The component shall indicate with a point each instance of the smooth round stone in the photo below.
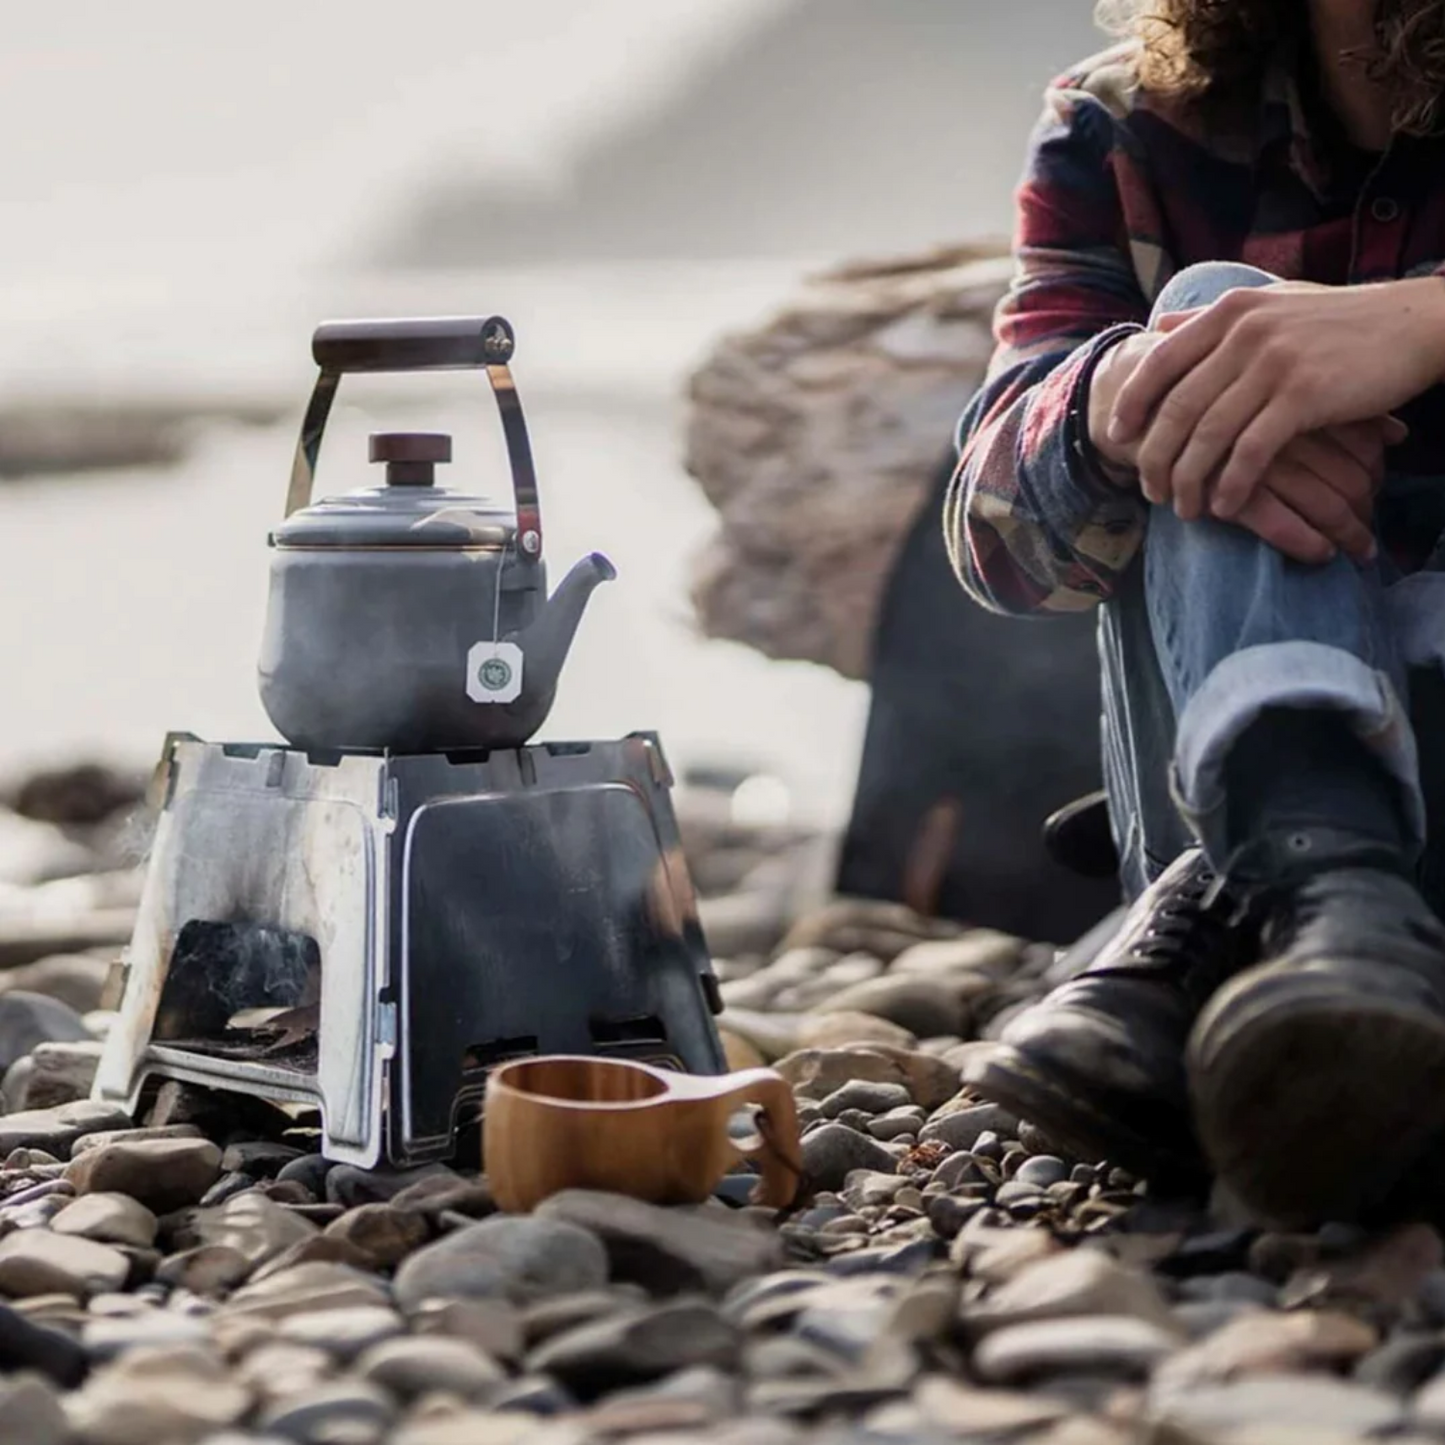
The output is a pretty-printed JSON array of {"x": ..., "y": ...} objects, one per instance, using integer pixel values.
[
  {"x": 109, "y": 1218},
  {"x": 1233, "y": 1285},
  {"x": 310, "y": 1171},
  {"x": 1042, "y": 1170},
  {"x": 163, "y": 1174},
  {"x": 38, "y": 1261},
  {"x": 831, "y": 1152},
  {"x": 897, "y": 1123},
  {"x": 412, "y": 1366},
  {"x": 868, "y": 1097},
  {"x": 348, "y": 1410},
  {"x": 1018, "y": 1192},
  {"x": 1290, "y": 1401},
  {"x": 342, "y": 1333},
  {"x": 966, "y": 1128},
  {"x": 104, "y": 1339},
  {"x": 1097, "y": 1344}
]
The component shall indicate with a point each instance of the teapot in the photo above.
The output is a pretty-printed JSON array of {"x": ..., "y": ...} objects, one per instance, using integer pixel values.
[{"x": 409, "y": 617}]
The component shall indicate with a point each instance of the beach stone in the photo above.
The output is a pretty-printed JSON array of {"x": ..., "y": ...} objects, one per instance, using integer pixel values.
[
  {"x": 489, "y": 1427},
  {"x": 31, "y": 1412},
  {"x": 638, "y": 1346},
  {"x": 132, "y": 1136},
  {"x": 1104, "y": 1344},
  {"x": 1403, "y": 1363},
  {"x": 309, "y": 1171},
  {"x": 343, "y": 1332},
  {"x": 493, "y": 1325},
  {"x": 74, "y": 979},
  {"x": 838, "y": 1028},
  {"x": 534, "y": 1395},
  {"x": 278, "y": 1370},
  {"x": 110, "y": 1218},
  {"x": 921, "y": 1005},
  {"x": 963, "y": 1128},
  {"x": 348, "y": 1185},
  {"x": 106, "y": 1337},
  {"x": 982, "y": 951},
  {"x": 55, "y": 1130},
  {"x": 383, "y": 1234},
  {"x": 158, "y": 1395},
  {"x": 1042, "y": 1171},
  {"x": 206, "y": 1270},
  {"x": 1384, "y": 1274},
  {"x": 316, "y": 1285},
  {"x": 871, "y": 1098},
  {"x": 832, "y": 1151},
  {"x": 817, "y": 1073},
  {"x": 972, "y": 1411},
  {"x": 520, "y": 1259},
  {"x": 349, "y": 1411},
  {"x": 687, "y": 1400},
  {"x": 52, "y": 1074},
  {"x": 412, "y": 1366},
  {"x": 28, "y": 1019},
  {"x": 26, "y": 1345},
  {"x": 255, "y": 1227},
  {"x": 260, "y": 1158},
  {"x": 669, "y": 1250},
  {"x": 1270, "y": 1342},
  {"x": 162, "y": 1174},
  {"x": 1076, "y": 1282},
  {"x": 434, "y": 1196},
  {"x": 1300, "y": 1402},
  {"x": 37, "y": 1261}
]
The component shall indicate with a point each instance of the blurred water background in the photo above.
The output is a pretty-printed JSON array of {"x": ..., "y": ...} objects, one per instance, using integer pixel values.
[{"x": 188, "y": 189}]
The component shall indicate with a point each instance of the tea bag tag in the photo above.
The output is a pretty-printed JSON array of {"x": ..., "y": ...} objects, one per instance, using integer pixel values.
[{"x": 494, "y": 672}]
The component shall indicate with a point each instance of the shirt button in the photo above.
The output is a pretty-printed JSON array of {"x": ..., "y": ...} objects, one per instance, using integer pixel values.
[{"x": 1385, "y": 209}]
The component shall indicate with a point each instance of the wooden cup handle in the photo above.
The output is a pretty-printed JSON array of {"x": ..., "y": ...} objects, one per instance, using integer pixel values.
[{"x": 780, "y": 1153}]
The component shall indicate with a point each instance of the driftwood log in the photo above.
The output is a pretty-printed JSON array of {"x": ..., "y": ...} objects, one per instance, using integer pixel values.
[{"x": 816, "y": 435}]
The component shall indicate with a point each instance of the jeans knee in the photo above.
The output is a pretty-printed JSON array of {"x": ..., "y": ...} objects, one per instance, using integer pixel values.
[{"x": 1205, "y": 282}]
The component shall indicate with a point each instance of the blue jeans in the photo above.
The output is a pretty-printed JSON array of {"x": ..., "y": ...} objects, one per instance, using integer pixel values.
[{"x": 1211, "y": 626}]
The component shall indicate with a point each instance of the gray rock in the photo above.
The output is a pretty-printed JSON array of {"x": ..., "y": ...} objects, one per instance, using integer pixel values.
[
  {"x": 1042, "y": 1170},
  {"x": 1097, "y": 1344},
  {"x": 349, "y": 1411},
  {"x": 1076, "y": 1282},
  {"x": 384, "y": 1234},
  {"x": 110, "y": 1218},
  {"x": 639, "y": 1346},
  {"x": 1018, "y": 1192},
  {"x": 133, "y": 1136},
  {"x": 1297, "y": 1402},
  {"x": 534, "y": 1395},
  {"x": 670, "y": 1250},
  {"x": 25, "y": 1345},
  {"x": 520, "y": 1259},
  {"x": 310, "y": 1171},
  {"x": 107, "y": 1337},
  {"x": 548, "y": 1317},
  {"x": 921, "y": 1005},
  {"x": 1402, "y": 1364},
  {"x": 164, "y": 1174},
  {"x": 260, "y": 1158},
  {"x": 256, "y": 1227},
  {"x": 31, "y": 1412},
  {"x": 871, "y": 1098},
  {"x": 493, "y": 1325},
  {"x": 51, "y": 1074},
  {"x": 832, "y": 1151},
  {"x": 70, "y": 978},
  {"x": 205, "y": 1270},
  {"x": 279, "y": 1370},
  {"x": 55, "y": 1130},
  {"x": 412, "y": 1366},
  {"x": 687, "y": 1400},
  {"x": 349, "y": 1186},
  {"x": 963, "y": 1128},
  {"x": 897, "y": 1123},
  {"x": 179, "y": 1393},
  {"x": 316, "y": 1285},
  {"x": 345, "y": 1332},
  {"x": 36, "y": 1261},
  {"x": 27, "y": 1019}
]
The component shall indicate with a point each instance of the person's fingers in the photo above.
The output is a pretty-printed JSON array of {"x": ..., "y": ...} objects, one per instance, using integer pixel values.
[
  {"x": 1234, "y": 404},
  {"x": 1395, "y": 430},
  {"x": 1321, "y": 506},
  {"x": 1272, "y": 521},
  {"x": 1167, "y": 364},
  {"x": 1353, "y": 471},
  {"x": 1258, "y": 445}
]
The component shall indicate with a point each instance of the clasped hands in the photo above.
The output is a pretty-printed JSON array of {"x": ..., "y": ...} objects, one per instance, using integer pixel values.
[{"x": 1271, "y": 408}]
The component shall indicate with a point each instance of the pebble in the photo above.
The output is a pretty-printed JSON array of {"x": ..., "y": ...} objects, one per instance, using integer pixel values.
[
  {"x": 637, "y": 1346},
  {"x": 520, "y": 1259},
  {"x": 163, "y": 1174},
  {"x": 255, "y": 1227},
  {"x": 897, "y": 1123},
  {"x": 1078, "y": 1282},
  {"x": 412, "y": 1366},
  {"x": 31, "y": 1412},
  {"x": 1270, "y": 1342},
  {"x": 669, "y": 1250},
  {"x": 309, "y": 1171},
  {"x": 52, "y": 1074},
  {"x": 28, "y": 1019},
  {"x": 1297, "y": 1402},
  {"x": 966, "y": 1127},
  {"x": 1109, "y": 1344},
  {"x": 348, "y": 1412},
  {"x": 493, "y": 1325},
  {"x": 56, "y": 1129},
  {"x": 149, "y": 1396},
  {"x": 349, "y": 1186},
  {"x": 383, "y": 1234},
  {"x": 869, "y": 1097},
  {"x": 832, "y": 1151},
  {"x": 312, "y": 1286},
  {"x": 110, "y": 1218},
  {"x": 38, "y": 1261},
  {"x": 1042, "y": 1170},
  {"x": 343, "y": 1332}
]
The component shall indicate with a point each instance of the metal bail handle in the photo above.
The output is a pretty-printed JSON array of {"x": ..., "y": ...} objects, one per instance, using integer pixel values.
[{"x": 430, "y": 343}]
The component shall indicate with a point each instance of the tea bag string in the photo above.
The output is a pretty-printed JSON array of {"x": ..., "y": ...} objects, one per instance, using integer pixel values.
[{"x": 497, "y": 592}]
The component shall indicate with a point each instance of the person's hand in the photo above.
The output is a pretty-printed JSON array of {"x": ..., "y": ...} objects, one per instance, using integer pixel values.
[{"x": 1227, "y": 388}]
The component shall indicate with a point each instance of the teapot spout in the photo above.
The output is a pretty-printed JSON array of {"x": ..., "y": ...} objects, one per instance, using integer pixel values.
[{"x": 547, "y": 640}]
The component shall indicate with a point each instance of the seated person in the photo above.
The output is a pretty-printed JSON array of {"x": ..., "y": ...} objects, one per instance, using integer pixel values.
[{"x": 1214, "y": 413}]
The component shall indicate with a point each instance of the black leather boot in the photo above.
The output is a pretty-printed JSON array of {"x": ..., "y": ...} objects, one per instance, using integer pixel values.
[
  {"x": 1098, "y": 1065},
  {"x": 1318, "y": 1077}
]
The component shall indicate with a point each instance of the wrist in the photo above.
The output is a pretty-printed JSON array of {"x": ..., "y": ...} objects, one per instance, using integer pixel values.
[
  {"x": 1113, "y": 462},
  {"x": 1428, "y": 309}
]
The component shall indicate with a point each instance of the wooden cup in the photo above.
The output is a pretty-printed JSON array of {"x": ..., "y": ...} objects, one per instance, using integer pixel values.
[{"x": 575, "y": 1122}]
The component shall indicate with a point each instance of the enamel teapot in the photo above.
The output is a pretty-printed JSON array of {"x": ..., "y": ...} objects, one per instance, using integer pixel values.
[{"x": 406, "y": 616}]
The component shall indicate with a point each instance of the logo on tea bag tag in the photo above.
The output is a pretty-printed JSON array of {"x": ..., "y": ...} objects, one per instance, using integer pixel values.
[{"x": 494, "y": 672}]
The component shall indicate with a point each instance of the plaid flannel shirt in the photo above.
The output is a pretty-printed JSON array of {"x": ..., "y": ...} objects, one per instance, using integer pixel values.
[{"x": 1121, "y": 190}]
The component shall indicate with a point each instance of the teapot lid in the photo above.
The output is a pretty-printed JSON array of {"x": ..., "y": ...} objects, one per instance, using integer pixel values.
[{"x": 408, "y": 510}]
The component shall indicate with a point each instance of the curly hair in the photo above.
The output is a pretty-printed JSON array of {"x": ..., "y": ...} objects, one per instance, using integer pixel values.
[{"x": 1201, "y": 48}]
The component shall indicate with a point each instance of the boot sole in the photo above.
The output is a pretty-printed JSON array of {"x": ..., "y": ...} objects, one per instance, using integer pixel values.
[
  {"x": 1314, "y": 1107},
  {"x": 1009, "y": 1078}
]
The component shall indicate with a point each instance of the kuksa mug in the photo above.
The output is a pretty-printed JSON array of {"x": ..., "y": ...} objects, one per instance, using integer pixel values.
[{"x": 576, "y": 1122}]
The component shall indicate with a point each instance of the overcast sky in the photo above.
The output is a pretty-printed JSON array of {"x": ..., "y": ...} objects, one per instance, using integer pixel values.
[{"x": 152, "y": 134}]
